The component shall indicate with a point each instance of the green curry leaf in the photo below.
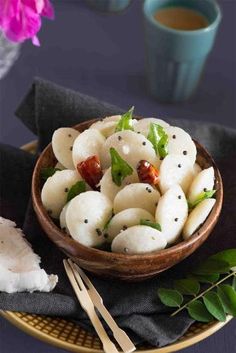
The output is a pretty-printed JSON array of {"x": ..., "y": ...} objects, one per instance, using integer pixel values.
[
  {"x": 227, "y": 295},
  {"x": 76, "y": 189},
  {"x": 48, "y": 172},
  {"x": 187, "y": 286},
  {"x": 214, "y": 305},
  {"x": 159, "y": 139},
  {"x": 119, "y": 167},
  {"x": 198, "y": 311},
  {"x": 202, "y": 196},
  {"x": 126, "y": 122},
  {"x": 228, "y": 255},
  {"x": 170, "y": 297},
  {"x": 146, "y": 222}
]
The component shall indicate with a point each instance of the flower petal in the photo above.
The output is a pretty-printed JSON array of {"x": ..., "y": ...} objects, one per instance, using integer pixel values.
[
  {"x": 40, "y": 5},
  {"x": 20, "y": 19},
  {"x": 8, "y": 10},
  {"x": 23, "y": 26},
  {"x": 36, "y": 41},
  {"x": 48, "y": 10}
]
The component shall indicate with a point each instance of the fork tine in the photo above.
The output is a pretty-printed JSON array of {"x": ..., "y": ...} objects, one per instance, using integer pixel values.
[
  {"x": 76, "y": 275},
  {"x": 84, "y": 277},
  {"x": 71, "y": 277}
]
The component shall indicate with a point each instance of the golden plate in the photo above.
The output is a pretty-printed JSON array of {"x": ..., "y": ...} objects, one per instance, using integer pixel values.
[{"x": 70, "y": 336}]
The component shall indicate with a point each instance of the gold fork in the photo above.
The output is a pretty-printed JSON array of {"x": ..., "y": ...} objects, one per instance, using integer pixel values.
[
  {"x": 87, "y": 304},
  {"x": 121, "y": 337}
]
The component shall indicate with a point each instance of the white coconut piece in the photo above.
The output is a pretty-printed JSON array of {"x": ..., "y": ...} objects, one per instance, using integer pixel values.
[
  {"x": 131, "y": 147},
  {"x": 62, "y": 144},
  {"x": 36, "y": 280},
  {"x": 197, "y": 217},
  {"x": 175, "y": 169},
  {"x": 138, "y": 195},
  {"x": 126, "y": 219},
  {"x": 138, "y": 240},
  {"x": 62, "y": 218},
  {"x": 110, "y": 189},
  {"x": 202, "y": 182},
  {"x": 172, "y": 212},
  {"x": 196, "y": 169},
  {"x": 87, "y": 144},
  {"x": 86, "y": 216},
  {"x": 55, "y": 189},
  {"x": 19, "y": 265},
  {"x": 14, "y": 248},
  {"x": 143, "y": 125},
  {"x": 107, "y": 125},
  {"x": 180, "y": 142}
]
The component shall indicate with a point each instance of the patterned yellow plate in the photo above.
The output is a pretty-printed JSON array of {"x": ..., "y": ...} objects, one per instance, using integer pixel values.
[{"x": 70, "y": 336}]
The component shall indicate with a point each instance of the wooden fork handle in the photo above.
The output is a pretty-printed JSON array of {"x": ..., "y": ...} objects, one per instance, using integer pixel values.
[{"x": 108, "y": 346}]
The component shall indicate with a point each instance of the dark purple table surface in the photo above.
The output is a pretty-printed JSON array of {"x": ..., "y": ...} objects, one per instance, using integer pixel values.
[{"x": 103, "y": 55}]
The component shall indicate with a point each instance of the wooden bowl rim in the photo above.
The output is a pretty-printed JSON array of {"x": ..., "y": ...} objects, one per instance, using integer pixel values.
[{"x": 102, "y": 254}]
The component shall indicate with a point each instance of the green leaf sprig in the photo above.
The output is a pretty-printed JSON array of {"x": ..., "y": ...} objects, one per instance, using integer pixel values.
[
  {"x": 170, "y": 297},
  {"x": 146, "y": 222},
  {"x": 159, "y": 139},
  {"x": 202, "y": 196},
  {"x": 126, "y": 121},
  {"x": 76, "y": 189},
  {"x": 119, "y": 167},
  {"x": 48, "y": 172},
  {"x": 213, "y": 302}
]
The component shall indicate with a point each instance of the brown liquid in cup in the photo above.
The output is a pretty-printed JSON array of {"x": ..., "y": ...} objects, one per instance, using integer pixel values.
[{"x": 181, "y": 18}]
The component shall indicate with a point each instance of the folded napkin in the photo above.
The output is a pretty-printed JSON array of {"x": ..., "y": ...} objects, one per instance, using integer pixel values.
[{"x": 135, "y": 306}]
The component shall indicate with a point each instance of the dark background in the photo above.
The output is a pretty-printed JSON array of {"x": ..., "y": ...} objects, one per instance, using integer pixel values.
[{"x": 103, "y": 55}]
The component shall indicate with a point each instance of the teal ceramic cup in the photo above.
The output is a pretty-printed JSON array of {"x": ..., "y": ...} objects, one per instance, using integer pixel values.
[
  {"x": 109, "y": 5},
  {"x": 176, "y": 58}
]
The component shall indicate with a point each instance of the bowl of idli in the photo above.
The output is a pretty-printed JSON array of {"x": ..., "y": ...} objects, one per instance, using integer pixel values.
[{"x": 126, "y": 197}]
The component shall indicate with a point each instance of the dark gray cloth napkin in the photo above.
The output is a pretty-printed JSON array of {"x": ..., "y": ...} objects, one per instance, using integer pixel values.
[{"x": 135, "y": 306}]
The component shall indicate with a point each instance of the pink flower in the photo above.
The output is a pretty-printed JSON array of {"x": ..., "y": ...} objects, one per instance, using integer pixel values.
[{"x": 21, "y": 19}]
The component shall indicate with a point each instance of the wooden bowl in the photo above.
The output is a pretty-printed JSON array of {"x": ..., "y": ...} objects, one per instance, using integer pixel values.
[{"x": 122, "y": 266}]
